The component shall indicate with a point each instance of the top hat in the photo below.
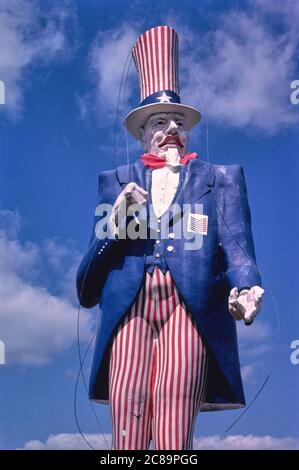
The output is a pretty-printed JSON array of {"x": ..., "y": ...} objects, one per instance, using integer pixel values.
[{"x": 155, "y": 54}]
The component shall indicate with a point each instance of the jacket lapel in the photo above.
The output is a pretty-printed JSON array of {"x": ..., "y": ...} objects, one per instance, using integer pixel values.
[
  {"x": 141, "y": 176},
  {"x": 135, "y": 172},
  {"x": 199, "y": 180}
]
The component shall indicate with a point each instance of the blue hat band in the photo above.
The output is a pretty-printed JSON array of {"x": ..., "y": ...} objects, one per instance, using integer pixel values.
[{"x": 164, "y": 96}]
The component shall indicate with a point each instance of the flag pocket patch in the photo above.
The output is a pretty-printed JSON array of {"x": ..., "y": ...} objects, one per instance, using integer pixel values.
[{"x": 197, "y": 223}]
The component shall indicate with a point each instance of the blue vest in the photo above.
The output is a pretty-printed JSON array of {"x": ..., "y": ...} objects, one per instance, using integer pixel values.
[{"x": 155, "y": 248}]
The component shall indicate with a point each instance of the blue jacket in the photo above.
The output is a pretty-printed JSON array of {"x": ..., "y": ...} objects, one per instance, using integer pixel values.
[{"x": 112, "y": 271}]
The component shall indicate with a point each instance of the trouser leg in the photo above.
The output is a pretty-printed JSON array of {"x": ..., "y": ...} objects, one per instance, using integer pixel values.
[
  {"x": 130, "y": 381},
  {"x": 179, "y": 385}
]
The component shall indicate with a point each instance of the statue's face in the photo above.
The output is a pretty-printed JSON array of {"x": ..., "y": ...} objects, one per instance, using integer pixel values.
[{"x": 163, "y": 131}]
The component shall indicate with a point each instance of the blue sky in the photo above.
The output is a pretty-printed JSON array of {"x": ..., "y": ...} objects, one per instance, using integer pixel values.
[{"x": 61, "y": 63}]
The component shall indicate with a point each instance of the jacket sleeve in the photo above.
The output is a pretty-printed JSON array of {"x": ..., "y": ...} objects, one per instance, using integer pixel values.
[
  {"x": 96, "y": 263},
  {"x": 235, "y": 233}
]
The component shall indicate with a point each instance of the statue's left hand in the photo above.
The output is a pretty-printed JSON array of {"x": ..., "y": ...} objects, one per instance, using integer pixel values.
[{"x": 245, "y": 305}]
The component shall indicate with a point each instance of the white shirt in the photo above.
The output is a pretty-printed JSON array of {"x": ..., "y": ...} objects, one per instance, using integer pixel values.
[{"x": 165, "y": 182}]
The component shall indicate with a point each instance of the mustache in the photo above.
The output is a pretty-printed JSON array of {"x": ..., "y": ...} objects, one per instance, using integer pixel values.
[{"x": 172, "y": 138}]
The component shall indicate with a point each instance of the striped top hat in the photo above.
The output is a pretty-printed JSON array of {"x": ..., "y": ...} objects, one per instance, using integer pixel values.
[{"x": 156, "y": 58}]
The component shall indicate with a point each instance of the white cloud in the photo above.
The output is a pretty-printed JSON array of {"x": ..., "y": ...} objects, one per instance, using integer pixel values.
[
  {"x": 243, "y": 70},
  {"x": 36, "y": 323},
  {"x": 287, "y": 10},
  {"x": 248, "y": 442},
  {"x": 10, "y": 223},
  {"x": 30, "y": 33},
  {"x": 248, "y": 373},
  {"x": 259, "y": 331},
  {"x": 256, "y": 339},
  {"x": 106, "y": 62},
  {"x": 254, "y": 342},
  {"x": 71, "y": 442},
  {"x": 238, "y": 72},
  {"x": 256, "y": 350},
  {"x": 214, "y": 442},
  {"x": 63, "y": 260}
]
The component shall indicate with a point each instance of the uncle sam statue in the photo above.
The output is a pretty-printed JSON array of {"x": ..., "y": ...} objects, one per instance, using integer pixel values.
[{"x": 172, "y": 265}]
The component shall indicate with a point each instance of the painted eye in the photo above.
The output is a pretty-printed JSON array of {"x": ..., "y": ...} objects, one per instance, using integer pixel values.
[
  {"x": 160, "y": 122},
  {"x": 180, "y": 124}
]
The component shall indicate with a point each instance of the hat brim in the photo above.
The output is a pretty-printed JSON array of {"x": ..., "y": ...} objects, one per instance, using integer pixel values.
[{"x": 138, "y": 117}]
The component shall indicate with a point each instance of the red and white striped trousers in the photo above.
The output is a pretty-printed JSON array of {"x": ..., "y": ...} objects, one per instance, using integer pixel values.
[{"x": 158, "y": 367}]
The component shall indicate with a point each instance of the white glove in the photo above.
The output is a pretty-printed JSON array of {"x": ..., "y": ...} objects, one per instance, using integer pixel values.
[
  {"x": 131, "y": 194},
  {"x": 245, "y": 305}
]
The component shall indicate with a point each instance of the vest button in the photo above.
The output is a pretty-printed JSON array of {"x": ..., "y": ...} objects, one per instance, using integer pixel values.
[
  {"x": 171, "y": 235},
  {"x": 157, "y": 255},
  {"x": 170, "y": 248},
  {"x": 157, "y": 241}
]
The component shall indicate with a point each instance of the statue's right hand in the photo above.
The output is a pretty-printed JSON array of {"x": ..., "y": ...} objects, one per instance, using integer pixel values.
[
  {"x": 131, "y": 194},
  {"x": 134, "y": 194}
]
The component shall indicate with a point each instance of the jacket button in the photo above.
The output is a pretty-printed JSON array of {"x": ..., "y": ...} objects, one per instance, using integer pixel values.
[
  {"x": 157, "y": 255},
  {"x": 157, "y": 241},
  {"x": 171, "y": 235},
  {"x": 170, "y": 248}
]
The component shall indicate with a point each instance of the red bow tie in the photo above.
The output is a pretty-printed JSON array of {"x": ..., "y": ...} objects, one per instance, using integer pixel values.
[{"x": 154, "y": 162}]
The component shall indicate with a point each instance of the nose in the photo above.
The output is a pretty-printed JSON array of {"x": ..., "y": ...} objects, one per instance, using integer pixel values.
[{"x": 172, "y": 128}]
